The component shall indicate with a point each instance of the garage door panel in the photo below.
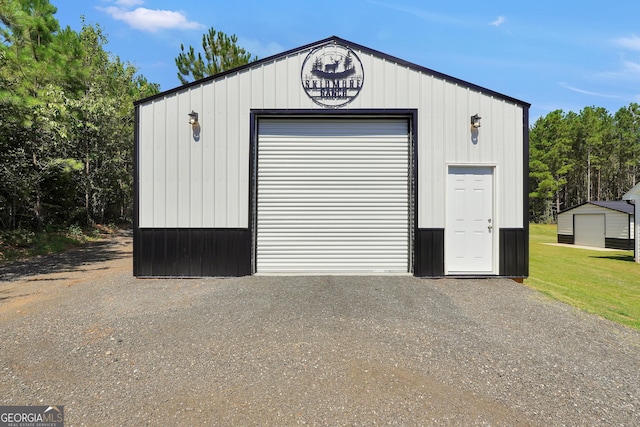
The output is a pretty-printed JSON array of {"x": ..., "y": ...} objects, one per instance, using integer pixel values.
[
  {"x": 589, "y": 230},
  {"x": 332, "y": 196}
]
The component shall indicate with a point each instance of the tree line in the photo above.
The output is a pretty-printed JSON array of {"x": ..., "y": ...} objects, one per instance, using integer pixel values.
[
  {"x": 592, "y": 155},
  {"x": 67, "y": 117},
  {"x": 66, "y": 121}
]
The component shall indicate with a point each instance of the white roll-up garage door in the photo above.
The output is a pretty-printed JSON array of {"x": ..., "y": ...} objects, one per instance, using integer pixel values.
[
  {"x": 332, "y": 196},
  {"x": 589, "y": 230}
]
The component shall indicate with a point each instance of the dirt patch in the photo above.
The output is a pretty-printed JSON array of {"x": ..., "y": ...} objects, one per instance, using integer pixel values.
[{"x": 26, "y": 284}]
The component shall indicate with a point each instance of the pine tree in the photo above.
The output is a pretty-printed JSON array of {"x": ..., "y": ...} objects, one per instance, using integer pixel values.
[{"x": 221, "y": 53}]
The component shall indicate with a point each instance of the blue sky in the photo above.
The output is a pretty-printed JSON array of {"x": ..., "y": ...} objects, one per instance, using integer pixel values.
[{"x": 552, "y": 54}]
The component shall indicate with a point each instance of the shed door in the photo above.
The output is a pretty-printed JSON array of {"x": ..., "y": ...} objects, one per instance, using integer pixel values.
[
  {"x": 469, "y": 235},
  {"x": 589, "y": 230},
  {"x": 332, "y": 196}
]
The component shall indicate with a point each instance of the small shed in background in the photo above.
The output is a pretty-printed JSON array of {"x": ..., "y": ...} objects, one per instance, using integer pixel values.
[
  {"x": 608, "y": 224},
  {"x": 633, "y": 197}
]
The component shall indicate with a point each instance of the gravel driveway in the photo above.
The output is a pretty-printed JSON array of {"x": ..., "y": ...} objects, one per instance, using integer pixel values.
[{"x": 78, "y": 330}]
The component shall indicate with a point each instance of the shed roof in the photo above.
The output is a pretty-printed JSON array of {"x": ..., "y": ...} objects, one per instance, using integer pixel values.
[
  {"x": 616, "y": 205},
  {"x": 352, "y": 45}
]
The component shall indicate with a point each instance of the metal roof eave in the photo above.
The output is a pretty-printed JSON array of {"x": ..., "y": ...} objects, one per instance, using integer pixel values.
[{"x": 600, "y": 205}]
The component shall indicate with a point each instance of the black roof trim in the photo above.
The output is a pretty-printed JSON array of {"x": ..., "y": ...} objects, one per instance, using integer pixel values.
[
  {"x": 615, "y": 205},
  {"x": 352, "y": 45}
]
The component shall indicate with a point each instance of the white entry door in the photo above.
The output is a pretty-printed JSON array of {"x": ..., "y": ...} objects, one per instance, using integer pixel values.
[{"x": 469, "y": 236}]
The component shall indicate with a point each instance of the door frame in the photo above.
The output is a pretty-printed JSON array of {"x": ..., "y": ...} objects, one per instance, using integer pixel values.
[
  {"x": 410, "y": 114},
  {"x": 495, "y": 240}
]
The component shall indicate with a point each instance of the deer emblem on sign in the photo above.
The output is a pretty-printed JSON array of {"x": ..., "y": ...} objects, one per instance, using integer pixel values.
[
  {"x": 332, "y": 66},
  {"x": 332, "y": 75}
]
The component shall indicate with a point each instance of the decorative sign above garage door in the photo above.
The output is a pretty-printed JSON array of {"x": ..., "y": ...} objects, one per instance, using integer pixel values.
[{"x": 332, "y": 75}]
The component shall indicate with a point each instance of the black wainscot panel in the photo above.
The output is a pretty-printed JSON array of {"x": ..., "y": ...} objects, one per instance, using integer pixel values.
[{"x": 192, "y": 252}]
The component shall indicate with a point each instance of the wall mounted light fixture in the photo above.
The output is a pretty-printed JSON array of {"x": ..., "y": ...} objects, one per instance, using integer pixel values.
[
  {"x": 475, "y": 121},
  {"x": 193, "y": 118},
  {"x": 195, "y": 126}
]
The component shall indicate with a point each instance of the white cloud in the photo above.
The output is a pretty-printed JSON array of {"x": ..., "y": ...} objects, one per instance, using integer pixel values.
[
  {"x": 420, "y": 13},
  {"x": 499, "y": 21},
  {"x": 632, "y": 67},
  {"x": 627, "y": 71},
  {"x": 586, "y": 92},
  {"x": 151, "y": 20},
  {"x": 129, "y": 3},
  {"x": 631, "y": 42},
  {"x": 260, "y": 49}
]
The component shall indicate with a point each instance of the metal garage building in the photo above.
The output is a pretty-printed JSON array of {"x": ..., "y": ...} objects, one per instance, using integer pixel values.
[
  {"x": 331, "y": 158},
  {"x": 633, "y": 197},
  {"x": 607, "y": 224}
]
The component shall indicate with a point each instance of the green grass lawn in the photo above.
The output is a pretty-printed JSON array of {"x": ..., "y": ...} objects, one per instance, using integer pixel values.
[
  {"x": 20, "y": 244},
  {"x": 602, "y": 283}
]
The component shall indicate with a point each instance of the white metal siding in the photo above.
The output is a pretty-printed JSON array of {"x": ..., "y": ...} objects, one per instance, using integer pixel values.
[
  {"x": 333, "y": 196},
  {"x": 174, "y": 194},
  {"x": 565, "y": 224},
  {"x": 636, "y": 228},
  {"x": 617, "y": 225}
]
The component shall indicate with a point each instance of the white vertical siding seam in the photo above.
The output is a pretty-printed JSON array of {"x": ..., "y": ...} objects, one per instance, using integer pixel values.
[
  {"x": 185, "y": 217},
  {"x": 637, "y": 230},
  {"x": 207, "y": 121},
  {"x": 224, "y": 146},
  {"x": 227, "y": 125},
  {"x": 232, "y": 201},
  {"x": 181, "y": 172},
  {"x": 472, "y": 152},
  {"x": 158, "y": 215},
  {"x": 152, "y": 165},
  {"x": 173, "y": 180}
]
